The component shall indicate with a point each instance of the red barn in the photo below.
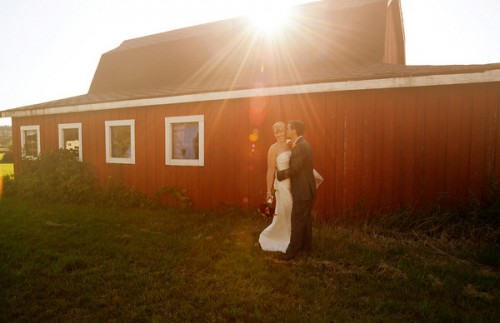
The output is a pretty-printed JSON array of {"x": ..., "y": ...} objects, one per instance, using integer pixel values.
[{"x": 193, "y": 108}]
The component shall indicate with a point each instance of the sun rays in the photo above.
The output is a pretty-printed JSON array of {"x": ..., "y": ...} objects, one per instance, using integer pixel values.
[
  {"x": 270, "y": 20},
  {"x": 258, "y": 52}
]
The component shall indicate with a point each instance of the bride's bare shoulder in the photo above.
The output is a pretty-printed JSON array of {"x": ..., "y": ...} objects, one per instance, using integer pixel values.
[
  {"x": 273, "y": 149},
  {"x": 277, "y": 148},
  {"x": 281, "y": 148}
]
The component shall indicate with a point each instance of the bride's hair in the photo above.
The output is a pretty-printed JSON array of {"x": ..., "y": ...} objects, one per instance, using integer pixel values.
[{"x": 279, "y": 124}]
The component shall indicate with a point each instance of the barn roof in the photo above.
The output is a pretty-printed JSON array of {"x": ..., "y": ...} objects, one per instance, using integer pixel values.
[
  {"x": 333, "y": 45},
  {"x": 334, "y": 35}
]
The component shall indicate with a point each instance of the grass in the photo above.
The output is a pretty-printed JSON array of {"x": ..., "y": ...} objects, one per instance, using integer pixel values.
[{"x": 82, "y": 263}]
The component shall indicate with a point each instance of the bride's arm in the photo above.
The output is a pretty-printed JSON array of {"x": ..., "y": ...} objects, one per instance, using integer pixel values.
[{"x": 271, "y": 168}]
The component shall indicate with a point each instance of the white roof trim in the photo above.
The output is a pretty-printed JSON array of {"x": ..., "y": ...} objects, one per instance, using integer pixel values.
[{"x": 397, "y": 82}]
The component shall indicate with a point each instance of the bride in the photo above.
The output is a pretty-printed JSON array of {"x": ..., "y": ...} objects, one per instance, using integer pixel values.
[{"x": 276, "y": 236}]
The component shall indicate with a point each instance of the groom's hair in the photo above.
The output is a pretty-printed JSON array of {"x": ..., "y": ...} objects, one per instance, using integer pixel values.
[{"x": 298, "y": 126}]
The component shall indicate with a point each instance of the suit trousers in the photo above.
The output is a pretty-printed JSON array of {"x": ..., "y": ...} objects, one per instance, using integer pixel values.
[{"x": 301, "y": 236}]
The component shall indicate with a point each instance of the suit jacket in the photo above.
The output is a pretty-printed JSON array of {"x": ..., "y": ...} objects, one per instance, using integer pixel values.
[{"x": 303, "y": 185}]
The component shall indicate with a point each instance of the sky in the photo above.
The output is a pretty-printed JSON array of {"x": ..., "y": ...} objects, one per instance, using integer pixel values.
[{"x": 50, "y": 48}]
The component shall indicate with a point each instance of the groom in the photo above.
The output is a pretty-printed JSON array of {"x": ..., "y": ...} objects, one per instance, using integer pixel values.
[{"x": 303, "y": 189}]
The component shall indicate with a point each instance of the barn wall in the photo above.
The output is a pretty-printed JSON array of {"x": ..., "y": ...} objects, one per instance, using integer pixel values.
[{"x": 377, "y": 149}]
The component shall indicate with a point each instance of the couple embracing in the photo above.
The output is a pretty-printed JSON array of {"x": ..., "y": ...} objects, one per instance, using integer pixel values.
[{"x": 290, "y": 169}]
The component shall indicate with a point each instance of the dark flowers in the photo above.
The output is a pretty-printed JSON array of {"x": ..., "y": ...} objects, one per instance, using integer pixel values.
[{"x": 267, "y": 209}]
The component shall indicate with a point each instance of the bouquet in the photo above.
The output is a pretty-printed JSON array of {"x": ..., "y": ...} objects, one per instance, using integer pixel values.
[{"x": 267, "y": 209}]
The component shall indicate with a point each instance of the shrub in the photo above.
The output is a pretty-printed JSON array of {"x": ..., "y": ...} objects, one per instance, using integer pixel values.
[
  {"x": 116, "y": 194},
  {"x": 56, "y": 176},
  {"x": 173, "y": 196}
]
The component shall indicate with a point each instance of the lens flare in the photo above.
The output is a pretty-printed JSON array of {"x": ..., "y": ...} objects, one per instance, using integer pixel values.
[
  {"x": 254, "y": 136},
  {"x": 270, "y": 20}
]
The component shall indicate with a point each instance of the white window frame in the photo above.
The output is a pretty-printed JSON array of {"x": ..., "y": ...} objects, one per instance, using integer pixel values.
[
  {"x": 62, "y": 127},
  {"x": 27, "y": 128},
  {"x": 116, "y": 160},
  {"x": 201, "y": 141}
]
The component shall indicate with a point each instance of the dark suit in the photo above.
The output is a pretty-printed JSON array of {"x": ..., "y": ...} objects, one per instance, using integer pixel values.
[{"x": 303, "y": 189}]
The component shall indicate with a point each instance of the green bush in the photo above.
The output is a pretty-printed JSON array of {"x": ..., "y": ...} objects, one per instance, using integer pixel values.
[
  {"x": 173, "y": 196},
  {"x": 116, "y": 194},
  {"x": 56, "y": 176}
]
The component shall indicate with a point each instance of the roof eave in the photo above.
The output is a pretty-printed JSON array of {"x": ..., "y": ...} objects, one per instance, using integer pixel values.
[{"x": 337, "y": 86}]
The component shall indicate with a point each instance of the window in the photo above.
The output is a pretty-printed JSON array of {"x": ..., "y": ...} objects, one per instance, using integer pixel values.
[
  {"x": 70, "y": 138},
  {"x": 120, "y": 142},
  {"x": 184, "y": 138},
  {"x": 30, "y": 141}
]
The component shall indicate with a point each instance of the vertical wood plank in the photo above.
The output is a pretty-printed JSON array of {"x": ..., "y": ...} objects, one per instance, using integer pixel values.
[
  {"x": 441, "y": 141},
  {"x": 350, "y": 153},
  {"x": 420, "y": 147},
  {"x": 408, "y": 105},
  {"x": 491, "y": 119},
  {"x": 478, "y": 135},
  {"x": 496, "y": 105},
  {"x": 357, "y": 166},
  {"x": 456, "y": 145},
  {"x": 388, "y": 149},
  {"x": 331, "y": 161},
  {"x": 341, "y": 103},
  {"x": 369, "y": 152},
  {"x": 151, "y": 149},
  {"x": 430, "y": 147},
  {"x": 380, "y": 158},
  {"x": 320, "y": 147}
]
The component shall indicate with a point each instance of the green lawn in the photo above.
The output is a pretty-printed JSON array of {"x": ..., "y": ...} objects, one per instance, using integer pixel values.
[{"x": 80, "y": 263}]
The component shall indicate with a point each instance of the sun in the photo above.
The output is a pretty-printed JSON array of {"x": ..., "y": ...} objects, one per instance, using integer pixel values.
[{"x": 270, "y": 19}]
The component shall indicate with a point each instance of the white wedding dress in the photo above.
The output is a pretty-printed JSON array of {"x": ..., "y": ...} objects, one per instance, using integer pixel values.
[{"x": 276, "y": 236}]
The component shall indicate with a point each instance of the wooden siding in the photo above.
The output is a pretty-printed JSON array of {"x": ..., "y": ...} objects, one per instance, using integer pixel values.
[{"x": 377, "y": 149}]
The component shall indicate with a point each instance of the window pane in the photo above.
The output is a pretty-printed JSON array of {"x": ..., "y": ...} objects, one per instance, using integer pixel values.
[
  {"x": 31, "y": 143},
  {"x": 185, "y": 140},
  {"x": 120, "y": 142},
  {"x": 71, "y": 140}
]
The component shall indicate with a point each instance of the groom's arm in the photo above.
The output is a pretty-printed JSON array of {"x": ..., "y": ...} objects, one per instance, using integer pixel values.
[
  {"x": 295, "y": 164},
  {"x": 298, "y": 161},
  {"x": 283, "y": 174}
]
